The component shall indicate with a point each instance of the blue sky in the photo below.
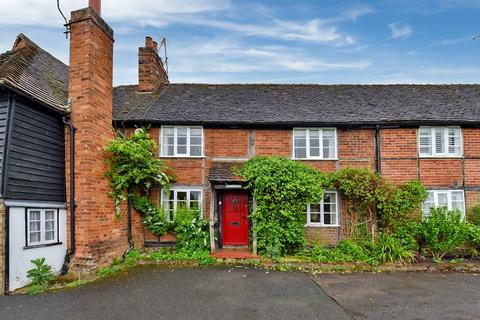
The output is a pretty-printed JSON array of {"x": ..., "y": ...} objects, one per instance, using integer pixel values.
[{"x": 229, "y": 41}]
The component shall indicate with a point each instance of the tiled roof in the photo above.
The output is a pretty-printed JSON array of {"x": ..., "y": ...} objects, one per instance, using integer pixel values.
[
  {"x": 296, "y": 105},
  {"x": 225, "y": 171},
  {"x": 35, "y": 73}
]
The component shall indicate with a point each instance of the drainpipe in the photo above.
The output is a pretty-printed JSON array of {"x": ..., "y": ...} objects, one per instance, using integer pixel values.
[
  {"x": 378, "y": 156},
  {"x": 71, "y": 251},
  {"x": 129, "y": 220}
]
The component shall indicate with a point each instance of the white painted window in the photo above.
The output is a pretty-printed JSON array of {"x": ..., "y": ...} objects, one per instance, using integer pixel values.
[
  {"x": 324, "y": 213},
  {"x": 181, "y": 141},
  {"x": 452, "y": 199},
  {"x": 315, "y": 143},
  {"x": 175, "y": 198},
  {"x": 440, "y": 142},
  {"x": 41, "y": 226}
]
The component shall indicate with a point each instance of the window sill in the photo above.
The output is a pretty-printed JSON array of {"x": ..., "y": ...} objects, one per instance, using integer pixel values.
[
  {"x": 316, "y": 159},
  {"x": 42, "y": 245},
  {"x": 182, "y": 157},
  {"x": 440, "y": 157},
  {"x": 322, "y": 225}
]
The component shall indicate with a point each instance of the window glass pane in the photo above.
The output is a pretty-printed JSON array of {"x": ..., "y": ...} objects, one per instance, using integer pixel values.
[
  {"x": 315, "y": 208},
  {"x": 34, "y": 226},
  {"x": 182, "y": 141},
  {"x": 454, "y": 145},
  {"x": 442, "y": 199},
  {"x": 439, "y": 140},
  {"x": 300, "y": 133},
  {"x": 49, "y": 235},
  {"x": 197, "y": 141},
  {"x": 327, "y": 219},
  {"x": 35, "y": 215},
  {"x": 195, "y": 151},
  {"x": 195, "y": 195},
  {"x": 425, "y": 141},
  {"x": 457, "y": 201},
  {"x": 328, "y": 143},
  {"x": 49, "y": 215},
  {"x": 315, "y": 217},
  {"x": 168, "y": 141},
  {"x": 34, "y": 237},
  {"x": 197, "y": 132},
  {"x": 428, "y": 204},
  {"x": 300, "y": 153}
]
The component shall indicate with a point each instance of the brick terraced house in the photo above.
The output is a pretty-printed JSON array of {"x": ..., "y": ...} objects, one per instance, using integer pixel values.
[{"x": 425, "y": 132}]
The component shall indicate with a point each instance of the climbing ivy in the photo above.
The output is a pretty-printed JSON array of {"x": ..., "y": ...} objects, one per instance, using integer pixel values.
[
  {"x": 133, "y": 165},
  {"x": 282, "y": 188}
]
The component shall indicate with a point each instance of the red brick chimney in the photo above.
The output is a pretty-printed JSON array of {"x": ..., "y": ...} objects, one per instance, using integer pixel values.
[
  {"x": 99, "y": 237},
  {"x": 151, "y": 71}
]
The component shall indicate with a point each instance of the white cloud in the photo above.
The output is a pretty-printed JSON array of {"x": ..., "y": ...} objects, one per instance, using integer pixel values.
[
  {"x": 44, "y": 12},
  {"x": 400, "y": 30}
]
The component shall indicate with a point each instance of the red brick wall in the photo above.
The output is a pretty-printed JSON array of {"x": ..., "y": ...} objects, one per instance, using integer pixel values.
[
  {"x": 99, "y": 236},
  {"x": 151, "y": 72},
  {"x": 356, "y": 148}
]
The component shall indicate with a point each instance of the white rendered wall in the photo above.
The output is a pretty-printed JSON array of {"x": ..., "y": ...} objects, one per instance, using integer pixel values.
[{"x": 19, "y": 256}]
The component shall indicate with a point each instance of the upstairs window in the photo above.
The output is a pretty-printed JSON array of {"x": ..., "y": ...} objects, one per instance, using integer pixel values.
[
  {"x": 440, "y": 142},
  {"x": 177, "y": 198},
  {"x": 452, "y": 199},
  {"x": 324, "y": 213},
  {"x": 179, "y": 141},
  {"x": 315, "y": 143},
  {"x": 42, "y": 226}
]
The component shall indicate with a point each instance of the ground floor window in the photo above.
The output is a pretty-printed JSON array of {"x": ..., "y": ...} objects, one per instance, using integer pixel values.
[
  {"x": 42, "y": 226},
  {"x": 452, "y": 199},
  {"x": 324, "y": 213},
  {"x": 176, "y": 197}
]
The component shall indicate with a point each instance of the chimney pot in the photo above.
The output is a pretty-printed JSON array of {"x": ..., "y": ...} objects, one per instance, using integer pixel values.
[
  {"x": 155, "y": 45},
  {"x": 148, "y": 42},
  {"x": 96, "y": 5}
]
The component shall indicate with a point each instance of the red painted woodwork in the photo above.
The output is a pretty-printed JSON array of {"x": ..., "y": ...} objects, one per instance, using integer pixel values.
[{"x": 234, "y": 218}]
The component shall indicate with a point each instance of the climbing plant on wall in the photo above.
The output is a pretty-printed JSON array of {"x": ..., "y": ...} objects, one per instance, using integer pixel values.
[
  {"x": 133, "y": 165},
  {"x": 282, "y": 188}
]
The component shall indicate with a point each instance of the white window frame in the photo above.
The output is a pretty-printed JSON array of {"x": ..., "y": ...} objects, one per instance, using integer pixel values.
[
  {"x": 175, "y": 145},
  {"x": 322, "y": 213},
  {"x": 164, "y": 198},
  {"x": 434, "y": 153},
  {"x": 448, "y": 193},
  {"x": 43, "y": 230},
  {"x": 307, "y": 144}
]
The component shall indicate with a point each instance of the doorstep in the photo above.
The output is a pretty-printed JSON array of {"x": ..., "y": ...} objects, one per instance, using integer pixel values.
[{"x": 235, "y": 254}]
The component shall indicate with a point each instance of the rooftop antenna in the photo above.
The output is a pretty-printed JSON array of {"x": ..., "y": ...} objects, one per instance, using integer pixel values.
[
  {"x": 66, "y": 25},
  {"x": 163, "y": 44}
]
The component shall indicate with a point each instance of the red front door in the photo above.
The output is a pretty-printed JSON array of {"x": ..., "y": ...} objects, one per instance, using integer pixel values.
[{"x": 234, "y": 217}]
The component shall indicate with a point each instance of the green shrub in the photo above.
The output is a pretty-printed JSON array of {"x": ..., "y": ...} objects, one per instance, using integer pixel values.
[
  {"x": 475, "y": 215},
  {"x": 391, "y": 249},
  {"x": 408, "y": 233},
  {"x": 42, "y": 274},
  {"x": 192, "y": 231},
  {"x": 444, "y": 231},
  {"x": 474, "y": 234},
  {"x": 133, "y": 163},
  {"x": 155, "y": 219},
  {"x": 349, "y": 251},
  {"x": 282, "y": 189}
]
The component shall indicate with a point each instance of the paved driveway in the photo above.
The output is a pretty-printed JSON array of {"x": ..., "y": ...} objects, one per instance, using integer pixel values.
[
  {"x": 159, "y": 293},
  {"x": 249, "y": 293},
  {"x": 403, "y": 295}
]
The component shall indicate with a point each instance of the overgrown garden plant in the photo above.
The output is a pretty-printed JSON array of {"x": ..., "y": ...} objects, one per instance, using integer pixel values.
[
  {"x": 282, "y": 188},
  {"x": 133, "y": 165}
]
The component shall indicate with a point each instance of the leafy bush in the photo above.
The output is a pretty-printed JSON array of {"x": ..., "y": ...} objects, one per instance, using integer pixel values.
[
  {"x": 203, "y": 257},
  {"x": 392, "y": 249},
  {"x": 41, "y": 274},
  {"x": 155, "y": 218},
  {"x": 349, "y": 251},
  {"x": 475, "y": 214},
  {"x": 133, "y": 163},
  {"x": 443, "y": 231},
  {"x": 375, "y": 198},
  {"x": 282, "y": 188},
  {"x": 192, "y": 231},
  {"x": 408, "y": 233}
]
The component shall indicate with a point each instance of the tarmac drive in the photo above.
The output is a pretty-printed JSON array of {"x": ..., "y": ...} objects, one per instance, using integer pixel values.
[{"x": 250, "y": 293}]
